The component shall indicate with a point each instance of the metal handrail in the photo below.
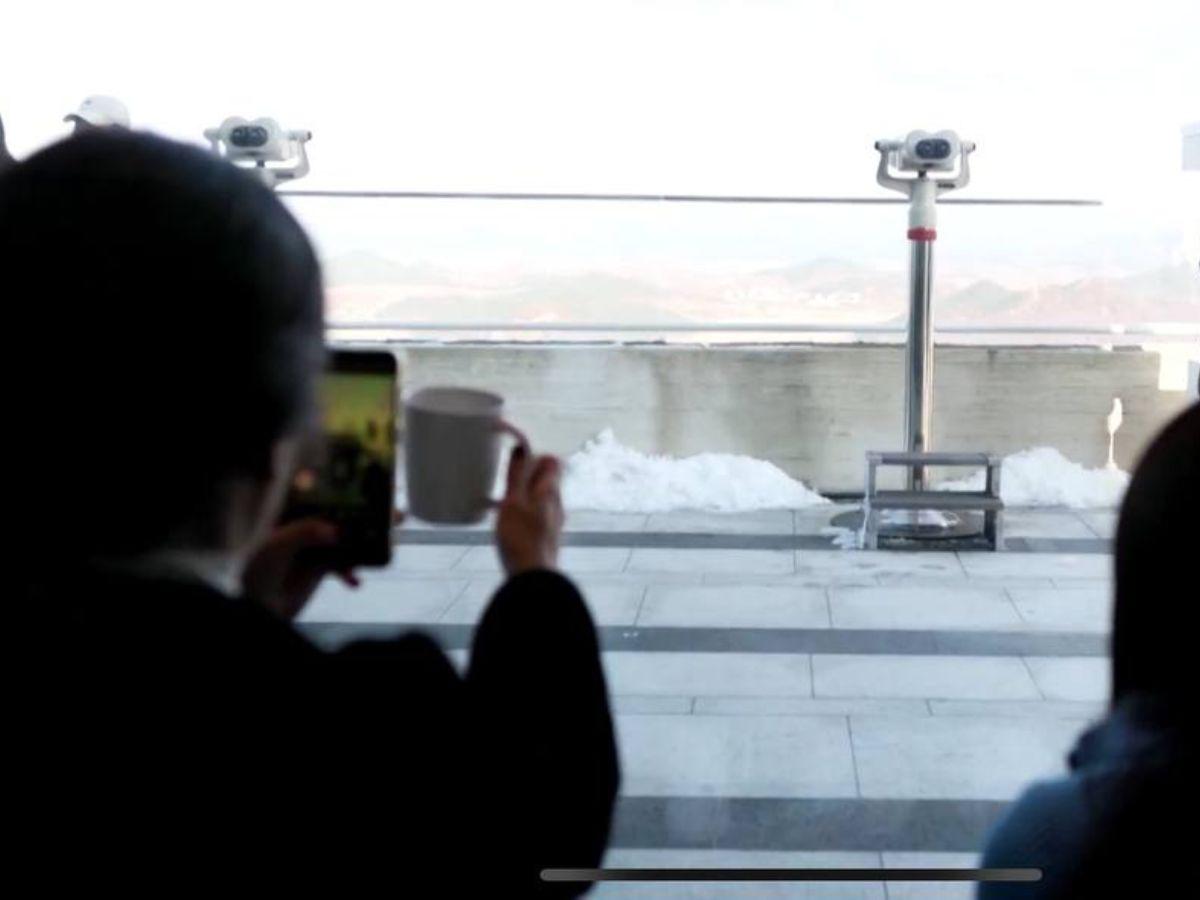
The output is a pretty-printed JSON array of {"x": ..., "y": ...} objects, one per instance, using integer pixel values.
[
  {"x": 1161, "y": 330},
  {"x": 673, "y": 198}
]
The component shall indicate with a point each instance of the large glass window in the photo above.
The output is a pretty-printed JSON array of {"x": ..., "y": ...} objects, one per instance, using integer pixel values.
[
  {"x": 1064, "y": 100},
  {"x": 715, "y": 373}
]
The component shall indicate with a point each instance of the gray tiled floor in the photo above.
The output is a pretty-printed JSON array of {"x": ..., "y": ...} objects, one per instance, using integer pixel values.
[
  {"x": 1102, "y": 582},
  {"x": 1065, "y": 709},
  {"x": 958, "y": 757},
  {"x": 872, "y": 563},
  {"x": 738, "y": 562},
  {"x": 816, "y": 518},
  {"x": 1024, "y": 565},
  {"x": 853, "y": 722},
  {"x": 942, "y": 677},
  {"x": 804, "y": 579},
  {"x": 643, "y": 705},
  {"x": 924, "y": 890},
  {"x": 434, "y": 558},
  {"x": 1068, "y": 678},
  {"x": 957, "y": 607},
  {"x": 385, "y": 600},
  {"x": 1067, "y": 609},
  {"x": 733, "y": 606},
  {"x": 1046, "y": 523},
  {"x": 610, "y": 604},
  {"x": 590, "y": 520},
  {"x": 588, "y": 580},
  {"x": 745, "y": 756},
  {"x": 710, "y": 674},
  {"x": 1102, "y": 521},
  {"x": 741, "y": 859},
  {"x": 572, "y": 559},
  {"x": 767, "y": 521},
  {"x": 809, "y": 706},
  {"x": 962, "y": 580}
]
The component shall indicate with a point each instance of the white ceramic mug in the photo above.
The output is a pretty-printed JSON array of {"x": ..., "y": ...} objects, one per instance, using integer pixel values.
[{"x": 452, "y": 452}]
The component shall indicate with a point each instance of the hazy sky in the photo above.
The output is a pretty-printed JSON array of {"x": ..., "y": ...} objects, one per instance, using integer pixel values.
[{"x": 1063, "y": 98}]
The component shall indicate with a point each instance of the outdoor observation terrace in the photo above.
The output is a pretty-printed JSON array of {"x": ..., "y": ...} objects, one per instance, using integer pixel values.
[
  {"x": 781, "y": 701},
  {"x": 666, "y": 231}
]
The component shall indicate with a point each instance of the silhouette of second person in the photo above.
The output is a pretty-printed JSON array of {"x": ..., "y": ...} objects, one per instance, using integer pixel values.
[{"x": 1118, "y": 824}]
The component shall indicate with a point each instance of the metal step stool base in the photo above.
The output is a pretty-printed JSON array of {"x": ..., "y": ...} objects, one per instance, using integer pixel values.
[{"x": 955, "y": 504}]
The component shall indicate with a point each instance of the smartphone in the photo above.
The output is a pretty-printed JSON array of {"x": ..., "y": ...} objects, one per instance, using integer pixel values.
[{"x": 348, "y": 476}]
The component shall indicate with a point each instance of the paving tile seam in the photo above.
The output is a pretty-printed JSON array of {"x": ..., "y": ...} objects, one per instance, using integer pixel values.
[
  {"x": 696, "y": 540},
  {"x": 823, "y": 641},
  {"x": 804, "y": 824}
]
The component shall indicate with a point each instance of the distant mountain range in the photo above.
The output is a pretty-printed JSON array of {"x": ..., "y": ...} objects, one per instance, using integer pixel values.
[
  {"x": 1169, "y": 294},
  {"x": 367, "y": 287}
]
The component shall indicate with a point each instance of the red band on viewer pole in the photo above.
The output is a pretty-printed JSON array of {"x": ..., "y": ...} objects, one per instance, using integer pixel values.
[{"x": 922, "y": 234}]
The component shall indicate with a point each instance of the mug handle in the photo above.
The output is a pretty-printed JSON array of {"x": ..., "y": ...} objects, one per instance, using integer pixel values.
[
  {"x": 506, "y": 427},
  {"x": 502, "y": 425}
]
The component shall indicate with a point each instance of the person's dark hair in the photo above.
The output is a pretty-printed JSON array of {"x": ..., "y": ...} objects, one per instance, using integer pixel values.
[
  {"x": 1158, "y": 542},
  {"x": 6, "y": 159},
  {"x": 169, "y": 310}
]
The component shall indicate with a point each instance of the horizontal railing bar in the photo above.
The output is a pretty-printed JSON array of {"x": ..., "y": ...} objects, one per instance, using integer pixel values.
[
  {"x": 1181, "y": 329},
  {"x": 599, "y": 326},
  {"x": 676, "y": 198},
  {"x": 1165, "y": 330}
]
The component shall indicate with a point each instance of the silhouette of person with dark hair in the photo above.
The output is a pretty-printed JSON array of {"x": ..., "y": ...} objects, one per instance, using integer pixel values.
[
  {"x": 1117, "y": 824},
  {"x": 183, "y": 728}
]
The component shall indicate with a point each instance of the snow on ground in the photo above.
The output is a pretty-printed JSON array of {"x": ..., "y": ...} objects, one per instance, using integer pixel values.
[
  {"x": 844, "y": 538},
  {"x": 1042, "y": 476},
  {"x": 606, "y": 475}
]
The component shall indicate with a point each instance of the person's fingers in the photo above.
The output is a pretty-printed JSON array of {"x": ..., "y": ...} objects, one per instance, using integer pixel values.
[
  {"x": 518, "y": 469},
  {"x": 398, "y": 516},
  {"x": 348, "y": 578},
  {"x": 546, "y": 494},
  {"x": 545, "y": 476}
]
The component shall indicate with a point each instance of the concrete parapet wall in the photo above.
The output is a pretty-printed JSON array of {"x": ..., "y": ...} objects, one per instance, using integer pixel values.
[{"x": 812, "y": 409}]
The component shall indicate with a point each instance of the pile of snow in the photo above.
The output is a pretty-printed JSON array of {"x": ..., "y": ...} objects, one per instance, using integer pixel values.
[
  {"x": 605, "y": 475},
  {"x": 844, "y": 538},
  {"x": 1042, "y": 476}
]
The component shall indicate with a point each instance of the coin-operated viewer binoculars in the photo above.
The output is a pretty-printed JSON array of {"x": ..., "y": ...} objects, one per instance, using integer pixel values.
[
  {"x": 274, "y": 154},
  {"x": 924, "y": 166}
]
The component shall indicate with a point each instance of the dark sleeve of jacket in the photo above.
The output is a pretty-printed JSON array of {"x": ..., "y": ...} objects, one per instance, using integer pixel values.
[
  {"x": 534, "y": 754},
  {"x": 1043, "y": 829}
]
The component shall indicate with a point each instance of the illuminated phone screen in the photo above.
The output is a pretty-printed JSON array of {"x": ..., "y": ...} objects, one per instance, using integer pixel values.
[{"x": 352, "y": 481}]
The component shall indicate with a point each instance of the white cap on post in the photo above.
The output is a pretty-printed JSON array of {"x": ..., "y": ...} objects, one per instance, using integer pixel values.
[{"x": 100, "y": 111}]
